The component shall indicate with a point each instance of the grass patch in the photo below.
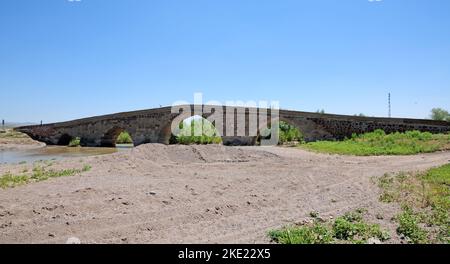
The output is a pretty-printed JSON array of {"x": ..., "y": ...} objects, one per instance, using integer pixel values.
[
  {"x": 75, "y": 142},
  {"x": 39, "y": 173},
  {"x": 425, "y": 200},
  {"x": 10, "y": 133},
  {"x": 380, "y": 143},
  {"x": 314, "y": 234},
  {"x": 86, "y": 168},
  {"x": 349, "y": 228}
]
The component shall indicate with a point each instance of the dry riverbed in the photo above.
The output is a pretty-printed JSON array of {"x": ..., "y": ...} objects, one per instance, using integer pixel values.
[{"x": 196, "y": 194}]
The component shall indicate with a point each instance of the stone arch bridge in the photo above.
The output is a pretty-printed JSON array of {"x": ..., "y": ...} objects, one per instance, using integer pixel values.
[{"x": 154, "y": 125}]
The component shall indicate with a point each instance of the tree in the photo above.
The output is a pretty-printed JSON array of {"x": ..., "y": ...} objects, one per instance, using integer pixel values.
[
  {"x": 440, "y": 114},
  {"x": 320, "y": 111}
]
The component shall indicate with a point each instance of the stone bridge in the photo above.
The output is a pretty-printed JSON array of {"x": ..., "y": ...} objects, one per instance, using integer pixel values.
[{"x": 154, "y": 125}]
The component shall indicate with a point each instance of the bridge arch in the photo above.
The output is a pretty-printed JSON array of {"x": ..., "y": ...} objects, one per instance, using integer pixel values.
[
  {"x": 109, "y": 139},
  {"x": 64, "y": 139},
  {"x": 195, "y": 129},
  {"x": 287, "y": 133},
  {"x": 310, "y": 130}
]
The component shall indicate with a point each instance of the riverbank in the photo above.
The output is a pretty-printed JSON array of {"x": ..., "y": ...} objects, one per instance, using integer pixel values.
[
  {"x": 213, "y": 194},
  {"x": 12, "y": 140}
]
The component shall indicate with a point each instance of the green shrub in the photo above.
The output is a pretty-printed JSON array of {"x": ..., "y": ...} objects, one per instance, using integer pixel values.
[
  {"x": 286, "y": 133},
  {"x": 316, "y": 234},
  {"x": 124, "y": 138},
  {"x": 86, "y": 168},
  {"x": 349, "y": 228},
  {"x": 188, "y": 133},
  {"x": 74, "y": 142},
  {"x": 409, "y": 227}
]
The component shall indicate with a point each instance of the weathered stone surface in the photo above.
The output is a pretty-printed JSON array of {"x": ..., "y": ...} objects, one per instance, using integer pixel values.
[{"x": 154, "y": 126}]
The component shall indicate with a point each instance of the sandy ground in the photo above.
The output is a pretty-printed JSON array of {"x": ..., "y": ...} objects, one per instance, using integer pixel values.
[
  {"x": 197, "y": 194},
  {"x": 21, "y": 142}
]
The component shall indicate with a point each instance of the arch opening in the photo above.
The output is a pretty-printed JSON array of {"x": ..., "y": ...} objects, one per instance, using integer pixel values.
[
  {"x": 64, "y": 140},
  {"x": 117, "y": 137},
  {"x": 195, "y": 130}
]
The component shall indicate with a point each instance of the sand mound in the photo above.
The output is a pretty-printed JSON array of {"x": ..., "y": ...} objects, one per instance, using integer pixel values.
[{"x": 163, "y": 154}]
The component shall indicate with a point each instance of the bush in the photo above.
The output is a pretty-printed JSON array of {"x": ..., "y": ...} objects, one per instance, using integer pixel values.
[
  {"x": 186, "y": 134},
  {"x": 352, "y": 227},
  {"x": 408, "y": 226},
  {"x": 124, "y": 138},
  {"x": 349, "y": 228},
  {"x": 74, "y": 142},
  {"x": 286, "y": 133},
  {"x": 316, "y": 234}
]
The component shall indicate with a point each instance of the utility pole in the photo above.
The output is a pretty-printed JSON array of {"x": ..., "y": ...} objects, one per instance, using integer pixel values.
[
  {"x": 3, "y": 123},
  {"x": 389, "y": 105}
]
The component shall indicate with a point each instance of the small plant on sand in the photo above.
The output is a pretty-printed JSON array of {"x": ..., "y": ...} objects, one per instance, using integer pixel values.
[
  {"x": 86, "y": 168},
  {"x": 315, "y": 234},
  {"x": 10, "y": 180},
  {"x": 349, "y": 228},
  {"x": 314, "y": 214},
  {"x": 409, "y": 227},
  {"x": 425, "y": 203}
]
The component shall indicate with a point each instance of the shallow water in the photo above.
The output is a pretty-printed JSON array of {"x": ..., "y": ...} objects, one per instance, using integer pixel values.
[{"x": 54, "y": 153}]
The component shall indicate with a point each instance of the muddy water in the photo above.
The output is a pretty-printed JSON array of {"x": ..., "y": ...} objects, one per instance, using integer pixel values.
[{"x": 54, "y": 153}]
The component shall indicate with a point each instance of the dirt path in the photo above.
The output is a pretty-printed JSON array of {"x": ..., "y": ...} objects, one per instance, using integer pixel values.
[{"x": 184, "y": 194}]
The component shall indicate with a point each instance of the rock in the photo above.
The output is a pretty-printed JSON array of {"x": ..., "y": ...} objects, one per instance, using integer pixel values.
[
  {"x": 73, "y": 240},
  {"x": 373, "y": 240}
]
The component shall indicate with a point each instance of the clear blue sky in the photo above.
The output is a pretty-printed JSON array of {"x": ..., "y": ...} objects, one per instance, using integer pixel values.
[{"x": 61, "y": 60}]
